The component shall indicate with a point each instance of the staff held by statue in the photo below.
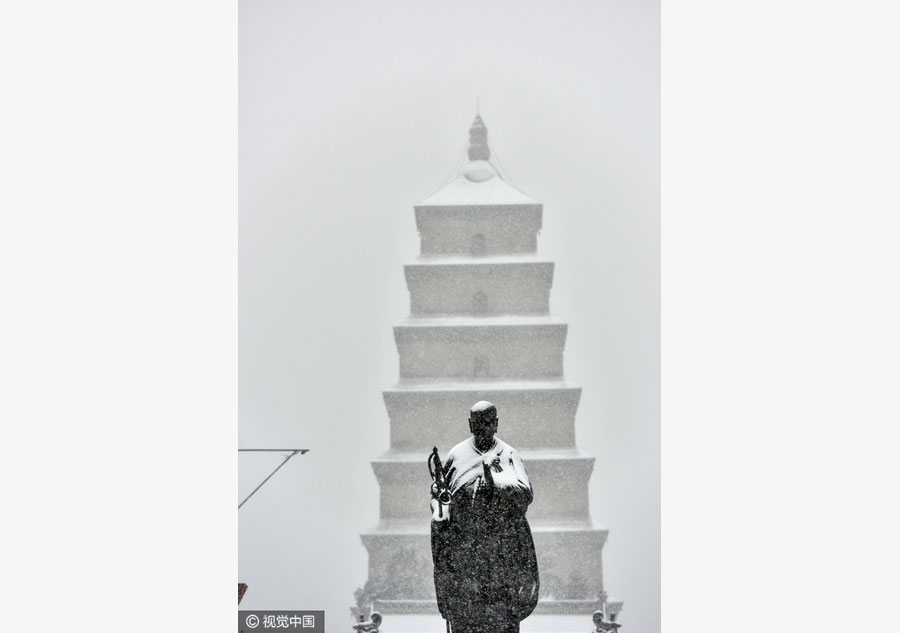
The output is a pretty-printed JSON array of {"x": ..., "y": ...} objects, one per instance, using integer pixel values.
[{"x": 440, "y": 488}]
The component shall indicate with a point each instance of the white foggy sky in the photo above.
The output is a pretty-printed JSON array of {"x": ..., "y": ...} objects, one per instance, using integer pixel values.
[{"x": 349, "y": 115}]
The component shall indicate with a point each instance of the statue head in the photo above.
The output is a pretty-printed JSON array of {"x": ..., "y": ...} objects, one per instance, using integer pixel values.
[{"x": 483, "y": 422}]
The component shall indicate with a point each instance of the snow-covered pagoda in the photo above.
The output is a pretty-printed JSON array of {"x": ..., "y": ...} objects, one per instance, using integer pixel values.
[{"x": 480, "y": 328}]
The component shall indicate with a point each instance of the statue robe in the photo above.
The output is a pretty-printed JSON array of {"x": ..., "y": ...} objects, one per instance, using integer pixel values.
[{"x": 485, "y": 569}]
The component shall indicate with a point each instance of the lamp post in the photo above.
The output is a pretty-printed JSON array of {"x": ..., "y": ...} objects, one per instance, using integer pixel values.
[
  {"x": 600, "y": 622},
  {"x": 371, "y": 626}
]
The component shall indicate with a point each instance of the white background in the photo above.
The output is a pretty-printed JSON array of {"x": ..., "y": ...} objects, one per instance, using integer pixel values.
[{"x": 119, "y": 251}]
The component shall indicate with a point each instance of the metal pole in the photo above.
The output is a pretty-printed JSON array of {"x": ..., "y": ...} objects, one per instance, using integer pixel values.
[
  {"x": 274, "y": 450},
  {"x": 294, "y": 452}
]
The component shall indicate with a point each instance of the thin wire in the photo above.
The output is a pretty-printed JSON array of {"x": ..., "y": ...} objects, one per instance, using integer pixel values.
[
  {"x": 455, "y": 171},
  {"x": 273, "y": 472},
  {"x": 502, "y": 169}
]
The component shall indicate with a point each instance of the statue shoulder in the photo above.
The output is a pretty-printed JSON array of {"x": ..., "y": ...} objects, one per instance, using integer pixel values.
[
  {"x": 504, "y": 448},
  {"x": 460, "y": 450}
]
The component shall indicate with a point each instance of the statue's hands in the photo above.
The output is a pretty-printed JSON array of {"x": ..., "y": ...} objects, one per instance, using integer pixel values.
[
  {"x": 440, "y": 503},
  {"x": 493, "y": 462},
  {"x": 488, "y": 474},
  {"x": 439, "y": 511}
]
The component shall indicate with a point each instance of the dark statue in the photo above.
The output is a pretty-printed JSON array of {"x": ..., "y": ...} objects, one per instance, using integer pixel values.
[{"x": 485, "y": 569}]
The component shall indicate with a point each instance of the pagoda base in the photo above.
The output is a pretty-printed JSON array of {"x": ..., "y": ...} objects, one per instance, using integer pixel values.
[
  {"x": 544, "y": 607},
  {"x": 535, "y": 623},
  {"x": 401, "y": 576}
]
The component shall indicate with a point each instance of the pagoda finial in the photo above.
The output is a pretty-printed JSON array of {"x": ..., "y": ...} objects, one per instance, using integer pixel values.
[{"x": 478, "y": 147}]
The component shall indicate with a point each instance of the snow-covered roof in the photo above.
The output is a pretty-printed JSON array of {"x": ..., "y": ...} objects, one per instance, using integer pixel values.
[
  {"x": 468, "y": 320},
  {"x": 463, "y": 191},
  {"x": 482, "y": 384},
  {"x": 477, "y": 182},
  {"x": 457, "y": 259}
]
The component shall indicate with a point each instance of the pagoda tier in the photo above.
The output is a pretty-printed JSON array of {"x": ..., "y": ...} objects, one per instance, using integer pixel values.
[
  {"x": 469, "y": 227},
  {"x": 559, "y": 478},
  {"x": 481, "y": 347},
  {"x": 541, "y": 414},
  {"x": 480, "y": 328},
  {"x": 400, "y": 565},
  {"x": 503, "y": 284}
]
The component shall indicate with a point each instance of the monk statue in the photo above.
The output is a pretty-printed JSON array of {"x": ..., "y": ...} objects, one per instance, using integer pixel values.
[{"x": 485, "y": 569}]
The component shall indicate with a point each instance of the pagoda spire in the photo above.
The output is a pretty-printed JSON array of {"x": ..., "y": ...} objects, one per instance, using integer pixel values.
[{"x": 478, "y": 145}]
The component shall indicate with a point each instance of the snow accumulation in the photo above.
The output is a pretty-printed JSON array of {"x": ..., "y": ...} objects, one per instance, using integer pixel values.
[
  {"x": 516, "y": 259},
  {"x": 477, "y": 183}
]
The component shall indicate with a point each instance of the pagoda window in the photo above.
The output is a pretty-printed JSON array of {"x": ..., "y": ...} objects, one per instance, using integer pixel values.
[
  {"x": 480, "y": 368},
  {"x": 479, "y": 303},
  {"x": 478, "y": 244}
]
